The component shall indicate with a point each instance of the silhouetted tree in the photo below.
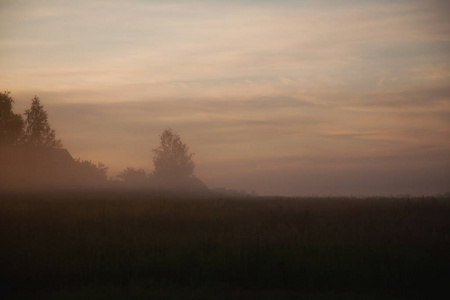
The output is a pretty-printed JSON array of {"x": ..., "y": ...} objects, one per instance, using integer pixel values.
[
  {"x": 11, "y": 124},
  {"x": 131, "y": 176},
  {"x": 171, "y": 157},
  {"x": 89, "y": 173},
  {"x": 37, "y": 129}
]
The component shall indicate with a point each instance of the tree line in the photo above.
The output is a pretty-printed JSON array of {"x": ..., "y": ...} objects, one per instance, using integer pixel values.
[
  {"x": 172, "y": 160},
  {"x": 34, "y": 130}
]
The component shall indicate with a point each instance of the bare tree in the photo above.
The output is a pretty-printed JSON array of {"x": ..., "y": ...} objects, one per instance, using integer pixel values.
[{"x": 172, "y": 158}]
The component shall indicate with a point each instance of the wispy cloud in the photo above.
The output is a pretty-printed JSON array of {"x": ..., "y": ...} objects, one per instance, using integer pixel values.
[{"x": 243, "y": 81}]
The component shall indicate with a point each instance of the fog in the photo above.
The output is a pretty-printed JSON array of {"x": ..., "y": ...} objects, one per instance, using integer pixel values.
[{"x": 278, "y": 97}]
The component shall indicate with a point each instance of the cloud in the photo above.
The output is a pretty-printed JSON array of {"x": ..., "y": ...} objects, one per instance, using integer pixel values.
[
  {"x": 413, "y": 98},
  {"x": 253, "y": 88}
]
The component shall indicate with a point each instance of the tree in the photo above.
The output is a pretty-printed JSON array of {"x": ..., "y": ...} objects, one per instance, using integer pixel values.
[
  {"x": 90, "y": 173},
  {"x": 172, "y": 158},
  {"x": 133, "y": 176},
  {"x": 11, "y": 124},
  {"x": 37, "y": 129}
]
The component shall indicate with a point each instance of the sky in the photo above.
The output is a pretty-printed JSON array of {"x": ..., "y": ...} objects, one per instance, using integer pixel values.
[{"x": 291, "y": 98}]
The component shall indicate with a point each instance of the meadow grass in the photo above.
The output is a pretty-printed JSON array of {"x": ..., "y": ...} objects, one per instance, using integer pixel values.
[{"x": 94, "y": 244}]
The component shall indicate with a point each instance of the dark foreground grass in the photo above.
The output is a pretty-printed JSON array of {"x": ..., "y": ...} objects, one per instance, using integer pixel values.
[{"x": 138, "y": 245}]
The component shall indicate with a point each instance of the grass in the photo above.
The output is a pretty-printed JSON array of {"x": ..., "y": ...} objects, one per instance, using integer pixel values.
[{"x": 122, "y": 244}]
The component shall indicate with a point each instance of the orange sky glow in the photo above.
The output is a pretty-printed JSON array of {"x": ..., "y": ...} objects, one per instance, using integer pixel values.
[{"x": 280, "y": 97}]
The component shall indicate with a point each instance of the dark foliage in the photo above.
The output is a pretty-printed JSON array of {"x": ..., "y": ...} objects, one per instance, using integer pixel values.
[
  {"x": 172, "y": 158},
  {"x": 11, "y": 124},
  {"x": 87, "y": 173},
  {"x": 32, "y": 158},
  {"x": 37, "y": 128},
  {"x": 131, "y": 175}
]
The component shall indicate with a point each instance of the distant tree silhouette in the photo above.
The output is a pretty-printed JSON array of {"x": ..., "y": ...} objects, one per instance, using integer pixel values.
[
  {"x": 37, "y": 131},
  {"x": 11, "y": 124},
  {"x": 133, "y": 177},
  {"x": 88, "y": 172},
  {"x": 172, "y": 158}
]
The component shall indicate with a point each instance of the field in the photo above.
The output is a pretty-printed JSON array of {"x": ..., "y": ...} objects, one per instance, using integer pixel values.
[{"x": 140, "y": 245}]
